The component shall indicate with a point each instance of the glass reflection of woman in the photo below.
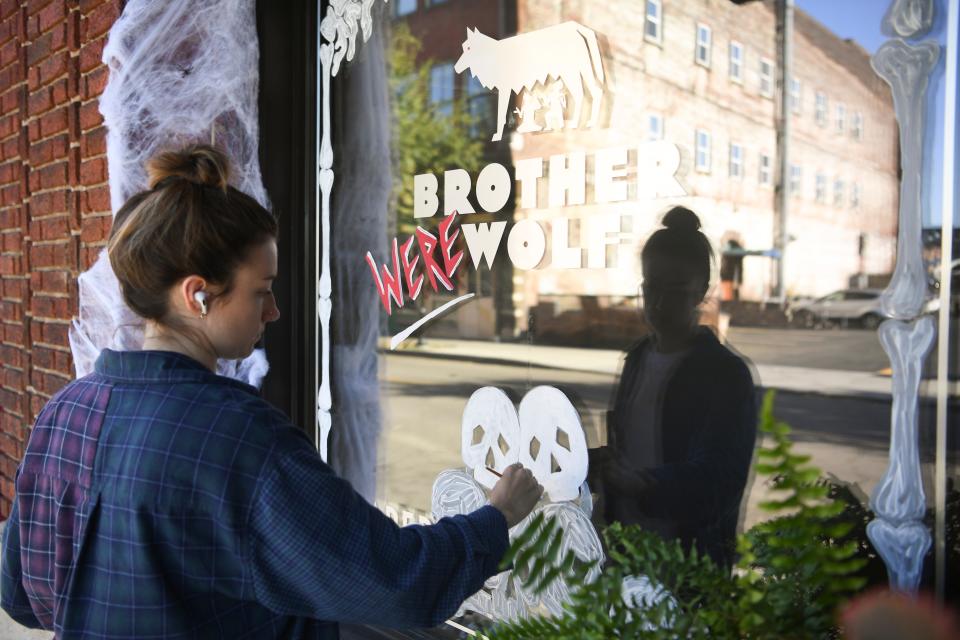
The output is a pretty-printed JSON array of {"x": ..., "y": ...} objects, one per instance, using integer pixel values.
[{"x": 683, "y": 425}]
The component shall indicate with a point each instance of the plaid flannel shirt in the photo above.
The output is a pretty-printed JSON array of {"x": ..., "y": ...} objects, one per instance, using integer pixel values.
[{"x": 157, "y": 499}]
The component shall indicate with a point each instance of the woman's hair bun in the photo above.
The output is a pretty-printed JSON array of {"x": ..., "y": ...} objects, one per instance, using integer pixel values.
[
  {"x": 198, "y": 163},
  {"x": 681, "y": 219}
]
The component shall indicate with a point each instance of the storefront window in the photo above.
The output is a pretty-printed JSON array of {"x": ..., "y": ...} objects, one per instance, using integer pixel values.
[{"x": 531, "y": 158}]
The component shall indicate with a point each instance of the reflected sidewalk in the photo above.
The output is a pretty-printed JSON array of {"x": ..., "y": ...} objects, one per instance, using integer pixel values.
[{"x": 821, "y": 381}]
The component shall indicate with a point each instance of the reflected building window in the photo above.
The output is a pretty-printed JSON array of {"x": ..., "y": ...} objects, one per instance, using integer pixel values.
[
  {"x": 857, "y": 126},
  {"x": 704, "y": 42},
  {"x": 795, "y": 95},
  {"x": 703, "y": 151},
  {"x": 838, "y": 189},
  {"x": 766, "y": 78},
  {"x": 821, "y": 109},
  {"x": 653, "y": 23},
  {"x": 736, "y": 62},
  {"x": 480, "y": 105},
  {"x": 854, "y": 195},
  {"x": 655, "y": 127},
  {"x": 766, "y": 170},
  {"x": 841, "y": 117},
  {"x": 441, "y": 87},
  {"x": 404, "y": 7},
  {"x": 795, "y": 175},
  {"x": 736, "y": 161},
  {"x": 821, "y": 193}
]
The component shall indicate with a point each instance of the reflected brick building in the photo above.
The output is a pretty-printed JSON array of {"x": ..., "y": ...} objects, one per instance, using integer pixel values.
[{"x": 701, "y": 75}]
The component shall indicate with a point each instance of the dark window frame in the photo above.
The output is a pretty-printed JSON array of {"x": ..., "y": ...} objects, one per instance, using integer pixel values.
[{"x": 287, "y": 117}]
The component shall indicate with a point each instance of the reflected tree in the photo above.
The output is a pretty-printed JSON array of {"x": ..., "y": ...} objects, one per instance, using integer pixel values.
[{"x": 428, "y": 136}]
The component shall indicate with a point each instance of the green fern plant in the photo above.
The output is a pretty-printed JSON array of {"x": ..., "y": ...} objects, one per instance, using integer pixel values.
[{"x": 793, "y": 570}]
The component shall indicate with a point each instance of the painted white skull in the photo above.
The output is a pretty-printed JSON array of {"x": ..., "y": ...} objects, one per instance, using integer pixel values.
[
  {"x": 545, "y": 437},
  {"x": 553, "y": 445},
  {"x": 489, "y": 434}
]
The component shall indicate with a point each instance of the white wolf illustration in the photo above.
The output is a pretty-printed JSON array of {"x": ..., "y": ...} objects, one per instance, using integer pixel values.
[{"x": 567, "y": 52}]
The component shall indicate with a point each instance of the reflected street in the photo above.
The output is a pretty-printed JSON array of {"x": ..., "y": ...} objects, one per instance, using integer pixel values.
[{"x": 847, "y": 434}]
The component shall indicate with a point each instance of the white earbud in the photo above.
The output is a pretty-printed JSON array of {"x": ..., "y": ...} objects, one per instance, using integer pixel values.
[{"x": 201, "y": 297}]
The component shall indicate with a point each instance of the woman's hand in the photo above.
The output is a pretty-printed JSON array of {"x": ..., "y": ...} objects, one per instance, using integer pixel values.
[{"x": 516, "y": 493}]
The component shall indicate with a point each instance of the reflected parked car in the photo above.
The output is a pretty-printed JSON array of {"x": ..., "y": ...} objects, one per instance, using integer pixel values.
[
  {"x": 848, "y": 307},
  {"x": 933, "y": 302}
]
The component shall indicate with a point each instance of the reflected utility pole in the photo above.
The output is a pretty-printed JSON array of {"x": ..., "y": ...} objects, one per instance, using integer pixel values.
[{"x": 784, "y": 12}]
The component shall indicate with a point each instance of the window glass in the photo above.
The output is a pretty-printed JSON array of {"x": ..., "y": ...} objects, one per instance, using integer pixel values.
[
  {"x": 656, "y": 127},
  {"x": 441, "y": 87},
  {"x": 838, "y": 192},
  {"x": 543, "y": 126},
  {"x": 858, "y": 125},
  {"x": 703, "y": 151},
  {"x": 704, "y": 43},
  {"x": 821, "y": 188},
  {"x": 404, "y": 7},
  {"x": 736, "y": 160},
  {"x": 766, "y": 78},
  {"x": 766, "y": 169},
  {"x": 481, "y": 106},
  {"x": 821, "y": 105},
  {"x": 653, "y": 21},
  {"x": 795, "y": 96},
  {"x": 736, "y": 61}
]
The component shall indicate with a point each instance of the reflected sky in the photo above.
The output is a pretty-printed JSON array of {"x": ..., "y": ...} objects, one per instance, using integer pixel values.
[{"x": 860, "y": 20}]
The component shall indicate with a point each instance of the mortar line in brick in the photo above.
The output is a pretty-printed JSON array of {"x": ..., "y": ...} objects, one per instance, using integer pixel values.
[
  {"x": 26, "y": 161},
  {"x": 52, "y": 372},
  {"x": 53, "y": 347}
]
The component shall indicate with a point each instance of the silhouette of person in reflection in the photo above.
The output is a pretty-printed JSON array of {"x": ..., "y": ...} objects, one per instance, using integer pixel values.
[{"x": 683, "y": 426}]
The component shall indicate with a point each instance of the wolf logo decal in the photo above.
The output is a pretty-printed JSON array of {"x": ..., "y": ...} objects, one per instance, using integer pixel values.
[{"x": 567, "y": 52}]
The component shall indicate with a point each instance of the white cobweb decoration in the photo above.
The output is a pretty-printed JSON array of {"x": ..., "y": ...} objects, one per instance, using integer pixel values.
[{"x": 180, "y": 72}]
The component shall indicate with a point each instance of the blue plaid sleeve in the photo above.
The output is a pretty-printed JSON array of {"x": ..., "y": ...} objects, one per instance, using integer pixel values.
[
  {"x": 13, "y": 597},
  {"x": 318, "y": 549}
]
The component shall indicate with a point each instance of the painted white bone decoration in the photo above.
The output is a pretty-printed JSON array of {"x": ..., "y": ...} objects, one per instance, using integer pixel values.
[
  {"x": 898, "y": 532},
  {"x": 906, "y": 69},
  {"x": 908, "y": 19}
]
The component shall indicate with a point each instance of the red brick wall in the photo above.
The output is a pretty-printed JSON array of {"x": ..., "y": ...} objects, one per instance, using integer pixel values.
[{"x": 54, "y": 200}]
